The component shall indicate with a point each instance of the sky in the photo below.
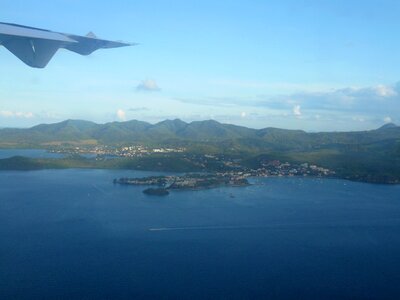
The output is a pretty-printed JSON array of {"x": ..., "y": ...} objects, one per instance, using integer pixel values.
[{"x": 311, "y": 65}]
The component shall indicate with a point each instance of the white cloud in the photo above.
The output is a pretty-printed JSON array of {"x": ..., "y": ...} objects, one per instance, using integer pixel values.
[
  {"x": 296, "y": 110},
  {"x": 387, "y": 119},
  {"x": 16, "y": 114},
  {"x": 24, "y": 114},
  {"x": 148, "y": 85},
  {"x": 243, "y": 114},
  {"x": 385, "y": 91},
  {"x": 358, "y": 119},
  {"x": 6, "y": 113},
  {"x": 121, "y": 115}
]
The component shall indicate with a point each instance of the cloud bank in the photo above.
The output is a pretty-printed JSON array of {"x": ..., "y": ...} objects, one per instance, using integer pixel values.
[
  {"x": 16, "y": 114},
  {"x": 376, "y": 102}
]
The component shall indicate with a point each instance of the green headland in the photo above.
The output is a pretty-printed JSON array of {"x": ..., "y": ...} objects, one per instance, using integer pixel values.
[{"x": 209, "y": 146}]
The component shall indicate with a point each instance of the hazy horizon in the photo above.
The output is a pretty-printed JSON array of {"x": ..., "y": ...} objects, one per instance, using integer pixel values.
[{"x": 187, "y": 122}]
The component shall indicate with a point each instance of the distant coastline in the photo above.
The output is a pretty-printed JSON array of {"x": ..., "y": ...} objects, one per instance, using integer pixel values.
[
  {"x": 178, "y": 164},
  {"x": 208, "y": 146}
]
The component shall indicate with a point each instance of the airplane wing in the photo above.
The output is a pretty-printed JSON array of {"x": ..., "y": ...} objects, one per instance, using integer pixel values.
[{"x": 35, "y": 46}]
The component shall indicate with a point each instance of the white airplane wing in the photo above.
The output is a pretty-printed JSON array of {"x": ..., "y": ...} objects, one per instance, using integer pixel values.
[{"x": 35, "y": 46}]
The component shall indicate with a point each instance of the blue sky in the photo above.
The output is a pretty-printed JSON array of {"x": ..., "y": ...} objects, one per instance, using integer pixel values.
[{"x": 312, "y": 65}]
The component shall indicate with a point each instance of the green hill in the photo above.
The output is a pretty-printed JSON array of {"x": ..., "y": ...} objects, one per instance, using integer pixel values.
[
  {"x": 372, "y": 155},
  {"x": 209, "y": 132}
]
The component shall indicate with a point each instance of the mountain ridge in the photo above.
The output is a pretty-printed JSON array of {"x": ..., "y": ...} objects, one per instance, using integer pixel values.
[
  {"x": 371, "y": 155},
  {"x": 176, "y": 130},
  {"x": 179, "y": 121}
]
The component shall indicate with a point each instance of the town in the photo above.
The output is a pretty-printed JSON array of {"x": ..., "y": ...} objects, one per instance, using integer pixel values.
[
  {"x": 276, "y": 168},
  {"x": 232, "y": 178},
  {"x": 106, "y": 151},
  {"x": 192, "y": 181},
  {"x": 222, "y": 164}
]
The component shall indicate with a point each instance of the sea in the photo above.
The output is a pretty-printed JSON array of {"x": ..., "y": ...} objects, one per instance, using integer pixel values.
[
  {"x": 42, "y": 153},
  {"x": 73, "y": 234},
  {"x": 31, "y": 153}
]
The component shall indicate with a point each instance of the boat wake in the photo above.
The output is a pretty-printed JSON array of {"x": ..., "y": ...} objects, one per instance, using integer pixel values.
[{"x": 289, "y": 226}]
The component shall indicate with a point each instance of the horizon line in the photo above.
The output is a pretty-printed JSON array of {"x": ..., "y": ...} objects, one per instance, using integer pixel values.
[{"x": 206, "y": 120}]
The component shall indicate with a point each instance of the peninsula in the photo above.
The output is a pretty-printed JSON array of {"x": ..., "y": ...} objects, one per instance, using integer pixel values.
[{"x": 191, "y": 181}]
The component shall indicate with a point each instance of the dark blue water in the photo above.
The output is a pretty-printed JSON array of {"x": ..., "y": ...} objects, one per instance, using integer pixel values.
[
  {"x": 32, "y": 153},
  {"x": 72, "y": 234},
  {"x": 40, "y": 153}
]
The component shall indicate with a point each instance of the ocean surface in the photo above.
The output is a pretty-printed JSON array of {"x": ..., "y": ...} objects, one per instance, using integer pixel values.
[
  {"x": 73, "y": 234},
  {"x": 40, "y": 153},
  {"x": 32, "y": 153}
]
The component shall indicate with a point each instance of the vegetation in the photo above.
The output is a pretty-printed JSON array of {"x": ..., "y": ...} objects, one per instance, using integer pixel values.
[{"x": 365, "y": 155}]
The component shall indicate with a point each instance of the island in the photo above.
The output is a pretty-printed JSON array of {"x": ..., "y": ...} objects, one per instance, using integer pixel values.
[
  {"x": 156, "y": 192},
  {"x": 191, "y": 181}
]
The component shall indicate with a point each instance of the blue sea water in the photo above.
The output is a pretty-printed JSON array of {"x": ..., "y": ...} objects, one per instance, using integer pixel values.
[
  {"x": 32, "y": 153},
  {"x": 41, "y": 153},
  {"x": 73, "y": 234}
]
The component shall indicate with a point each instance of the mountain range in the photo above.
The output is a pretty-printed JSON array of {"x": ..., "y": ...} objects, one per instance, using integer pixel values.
[
  {"x": 210, "y": 132},
  {"x": 372, "y": 155}
]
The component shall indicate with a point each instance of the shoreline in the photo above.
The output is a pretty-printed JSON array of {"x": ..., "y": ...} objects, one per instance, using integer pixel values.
[
  {"x": 22, "y": 163},
  {"x": 158, "y": 171}
]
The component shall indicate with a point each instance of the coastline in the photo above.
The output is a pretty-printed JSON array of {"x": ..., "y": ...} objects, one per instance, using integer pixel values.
[{"x": 21, "y": 163}]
